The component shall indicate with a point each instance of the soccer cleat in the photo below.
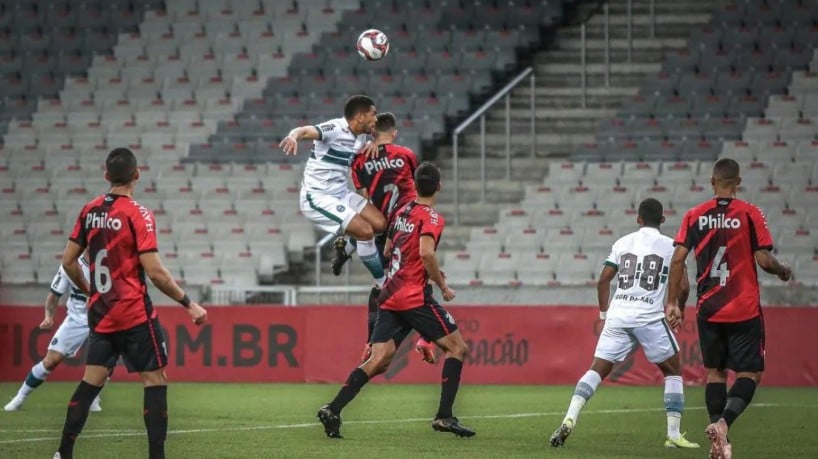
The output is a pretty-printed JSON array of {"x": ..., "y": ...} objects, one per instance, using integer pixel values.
[
  {"x": 426, "y": 351},
  {"x": 340, "y": 257},
  {"x": 452, "y": 425},
  {"x": 331, "y": 422},
  {"x": 680, "y": 442},
  {"x": 95, "y": 406},
  {"x": 15, "y": 404},
  {"x": 561, "y": 434},
  {"x": 720, "y": 448}
]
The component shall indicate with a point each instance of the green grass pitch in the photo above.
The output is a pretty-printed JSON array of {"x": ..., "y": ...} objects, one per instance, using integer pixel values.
[{"x": 278, "y": 420}]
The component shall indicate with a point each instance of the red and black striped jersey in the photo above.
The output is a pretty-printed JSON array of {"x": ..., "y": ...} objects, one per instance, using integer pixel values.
[
  {"x": 407, "y": 279},
  {"x": 116, "y": 230},
  {"x": 389, "y": 178},
  {"x": 724, "y": 234}
]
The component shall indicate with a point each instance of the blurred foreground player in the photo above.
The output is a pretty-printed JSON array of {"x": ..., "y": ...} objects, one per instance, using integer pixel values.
[
  {"x": 634, "y": 316},
  {"x": 68, "y": 339},
  {"x": 406, "y": 303},
  {"x": 120, "y": 235},
  {"x": 729, "y": 237}
]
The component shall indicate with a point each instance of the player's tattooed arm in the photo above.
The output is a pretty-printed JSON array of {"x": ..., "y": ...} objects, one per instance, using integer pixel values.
[
  {"x": 603, "y": 288},
  {"x": 71, "y": 266},
  {"x": 769, "y": 263},
  {"x": 289, "y": 144},
  {"x": 51, "y": 303}
]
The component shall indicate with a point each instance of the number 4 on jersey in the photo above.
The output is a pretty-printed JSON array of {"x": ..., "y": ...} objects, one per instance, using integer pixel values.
[{"x": 719, "y": 269}]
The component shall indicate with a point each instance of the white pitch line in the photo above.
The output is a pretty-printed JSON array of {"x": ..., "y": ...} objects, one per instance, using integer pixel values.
[{"x": 132, "y": 433}]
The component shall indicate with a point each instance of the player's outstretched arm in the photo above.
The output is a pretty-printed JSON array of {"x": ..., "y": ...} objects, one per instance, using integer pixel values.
[
  {"x": 429, "y": 259},
  {"x": 71, "y": 265},
  {"x": 770, "y": 264},
  {"x": 673, "y": 312},
  {"x": 289, "y": 144},
  {"x": 603, "y": 289},
  {"x": 162, "y": 279}
]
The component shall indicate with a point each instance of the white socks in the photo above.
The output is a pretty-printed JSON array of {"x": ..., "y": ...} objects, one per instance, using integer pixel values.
[
  {"x": 582, "y": 393},
  {"x": 368, "y": 253},
  {"x": 674, "y": 405},
  {"x": 350, "y": 247},
  {"x": 35, "y": 377}
]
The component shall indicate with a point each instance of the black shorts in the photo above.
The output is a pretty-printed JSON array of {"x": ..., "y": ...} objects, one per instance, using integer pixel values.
[
  {"x": 431, "y": 321},
  {"x": 738, "y": 346},
  {"x": 142, "y": 347}
]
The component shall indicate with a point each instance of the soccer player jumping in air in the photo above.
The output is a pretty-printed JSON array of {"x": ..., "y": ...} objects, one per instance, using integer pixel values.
[
  {"x": 120, "y": 235},
  {"x": 640, "y": 262},
  {"x": 326, "y": 199},
  {"x": 406, "y": 303},
  {"x": 729, "y": 238}
]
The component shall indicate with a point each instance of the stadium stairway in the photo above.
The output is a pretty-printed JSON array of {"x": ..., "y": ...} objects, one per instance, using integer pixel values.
[{"x": 562, "y": 124}]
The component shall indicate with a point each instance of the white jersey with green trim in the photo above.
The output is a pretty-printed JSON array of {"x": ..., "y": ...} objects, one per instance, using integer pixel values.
[
  {"x": 642, "y": 260},
  {"x": 62, "y": 284},
  {"x": 327, "y": 170}
]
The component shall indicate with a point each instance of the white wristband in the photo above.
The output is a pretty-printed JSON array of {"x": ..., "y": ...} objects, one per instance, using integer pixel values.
[{"x": 602, "y": 315}]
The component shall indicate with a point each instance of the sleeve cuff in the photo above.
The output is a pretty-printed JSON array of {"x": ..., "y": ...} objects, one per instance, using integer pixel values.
[
  {"x": 56, "y": 293},
  {"x": 611, "y": 264},
  {"x": 320, "y": 132},
  {"x": 77, "y": 241},
  {"x": 148, "y": 251}
]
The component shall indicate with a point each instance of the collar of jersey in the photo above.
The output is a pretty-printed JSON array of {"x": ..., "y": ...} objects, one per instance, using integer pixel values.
[{"x": 649, "y": 228}]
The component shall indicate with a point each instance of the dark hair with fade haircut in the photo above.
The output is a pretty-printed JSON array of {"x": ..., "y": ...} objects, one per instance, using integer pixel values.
[
  {"x": 357, "y": 104},
  {"x": 385, "y": 122},
  {"x": 427, "y": 179},
  {"x": 651, "y": 211},
  {"x": 726, "y": 171},
  {"x": 120, "y": 165}
]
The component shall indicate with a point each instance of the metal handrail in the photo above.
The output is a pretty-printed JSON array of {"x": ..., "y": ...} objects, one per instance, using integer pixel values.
[{"x": 481, "y": 114}]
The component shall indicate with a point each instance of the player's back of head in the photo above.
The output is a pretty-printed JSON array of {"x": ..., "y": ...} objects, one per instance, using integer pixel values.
[
  {"x": 726, "y": 173},
  {"x": 120, "y": 167},
  {"x": 357, "y": 104},
  {"x": 427, "y": 179},
  {"x": 651, "y": 212},
  {"x": 385, "y": 122}
]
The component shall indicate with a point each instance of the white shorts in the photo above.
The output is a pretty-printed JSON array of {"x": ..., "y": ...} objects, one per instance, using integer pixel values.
[
  {"x": 656, "y": 339},
  {"x": 70, "y": 337},
  {"x": 331, "y": 213}
]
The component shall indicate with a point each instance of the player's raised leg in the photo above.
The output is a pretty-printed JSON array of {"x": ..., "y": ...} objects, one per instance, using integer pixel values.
[{"x": 363, "y": 227}]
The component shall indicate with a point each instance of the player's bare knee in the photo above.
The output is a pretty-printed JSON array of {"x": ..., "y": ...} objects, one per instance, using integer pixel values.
[
  {"x": 379, "y": 225},
  {"x": 154, "y": 378}
]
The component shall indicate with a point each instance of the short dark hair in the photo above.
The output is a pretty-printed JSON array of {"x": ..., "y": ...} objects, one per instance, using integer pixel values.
[
  {"x": 427, "y": 179},
  {"x": 726, "y": 171},
  {"x": 385, "y": 122},
  {"x": 650, "y": 211},
  {"x": 120, "y": 165},
  {"x": 357, "y": 104}
]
